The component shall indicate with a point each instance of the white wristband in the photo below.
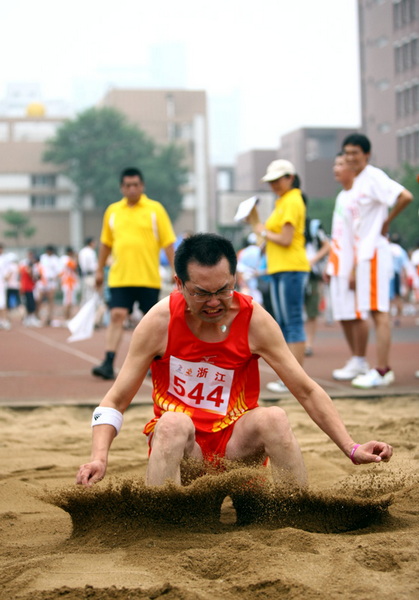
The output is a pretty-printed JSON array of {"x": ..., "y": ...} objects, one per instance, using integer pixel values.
[{"x": 105, "y": 415}]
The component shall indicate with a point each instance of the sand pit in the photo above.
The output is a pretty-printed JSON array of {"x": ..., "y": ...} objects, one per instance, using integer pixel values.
[{"x": 353, "y": 534}]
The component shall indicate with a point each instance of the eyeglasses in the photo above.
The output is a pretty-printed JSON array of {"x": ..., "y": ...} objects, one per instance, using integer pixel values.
[{"x": 205, "y": 296}]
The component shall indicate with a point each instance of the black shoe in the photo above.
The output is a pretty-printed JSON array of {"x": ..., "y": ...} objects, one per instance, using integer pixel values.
[{"x": 104, "y": 370}]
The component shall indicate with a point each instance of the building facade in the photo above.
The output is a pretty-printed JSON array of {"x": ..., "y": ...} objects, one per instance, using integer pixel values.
[
  {"x": 312, "y": 150},
  {"x": 251, "y": 167},
  {"x": 38, "y": 189},
  {"x": 178, "y": 117},
  {"x": 31, "y": 186},
  {"x": 389, "y": 54}
]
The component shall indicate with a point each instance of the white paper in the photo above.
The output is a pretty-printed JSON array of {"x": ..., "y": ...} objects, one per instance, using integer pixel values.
[
  {"x": 83, "y": 323},
  {"x": 245, "y": 208}
]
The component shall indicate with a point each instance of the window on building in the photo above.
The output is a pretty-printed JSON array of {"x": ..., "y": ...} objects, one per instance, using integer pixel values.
[
  {"x": 33, "y": 131},
  {"x": 406, "y": 55},
  {"x": 415, "y": 98},
  {"x": 170, "y": 106},
  {"x": 416, "y": 147},
  {"x": 41, "y": 201},
  {"x": 171, "y": 131},
  {"x": 408, "y": 101},
  {"x": 404, "y": 12},
  {"x": 414, "y": 52},
  {"x": 408, "y": 140},
  {"x": 398, "y": 59},
  {"x": 407, "y": 147},
  {"x": 400, "y": 150},
  {"x": 4, "y": 132},
  {"x": 397, "y": 15},
  {"x": 43, "y": 180},
  {"x": 399, "y": 103},
  {"x": 321, "y": 146},
  {"x": 183, "y": 131}
]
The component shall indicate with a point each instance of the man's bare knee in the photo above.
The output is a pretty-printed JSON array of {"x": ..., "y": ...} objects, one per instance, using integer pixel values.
[
  {"x": 272, "y": 419},
  {"x": 173, "y": 430},
  {"x": 118, "y": 315}
]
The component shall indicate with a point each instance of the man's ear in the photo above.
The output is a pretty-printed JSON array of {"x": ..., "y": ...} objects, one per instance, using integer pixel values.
[{"x": 178, "y": 282}]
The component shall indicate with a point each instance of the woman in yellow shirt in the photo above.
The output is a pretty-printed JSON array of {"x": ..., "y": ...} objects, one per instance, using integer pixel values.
[{"x": 287, "y": 261}]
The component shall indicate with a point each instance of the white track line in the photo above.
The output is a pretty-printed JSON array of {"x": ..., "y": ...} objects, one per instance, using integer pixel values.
[
  {"x": 64, "y": 348},
  {"x": 60, "y": 346}
]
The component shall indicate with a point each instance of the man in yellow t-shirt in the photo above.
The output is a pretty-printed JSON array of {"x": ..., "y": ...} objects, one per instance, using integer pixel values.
[{"x": 134, "y": 230}]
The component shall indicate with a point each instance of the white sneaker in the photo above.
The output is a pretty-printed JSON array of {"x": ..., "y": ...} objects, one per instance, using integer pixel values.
[
  {"x": 352, "y": 368},
  {"x": 32, "y": 321},
  {"x": 4, "y": 324},
  {"x": 373, "y": 379},
  {"x": 278, "y": 387}
]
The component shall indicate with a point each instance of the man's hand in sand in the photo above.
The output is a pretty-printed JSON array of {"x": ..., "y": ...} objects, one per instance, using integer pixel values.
[
  {"x": 91, "y": 473},
  {"x": 372, "y": 452}
]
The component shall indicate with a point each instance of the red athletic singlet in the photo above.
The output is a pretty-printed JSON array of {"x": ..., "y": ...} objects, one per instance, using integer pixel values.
[{"x": 213, "y": 383}]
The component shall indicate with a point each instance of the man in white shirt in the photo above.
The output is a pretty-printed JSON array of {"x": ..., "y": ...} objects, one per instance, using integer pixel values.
[
  {"x": 340, "y": 273},
  {"x": 374, "y": 194},
  {"x": 46, "y": 286},
  {"x": 87, "y": 264}
]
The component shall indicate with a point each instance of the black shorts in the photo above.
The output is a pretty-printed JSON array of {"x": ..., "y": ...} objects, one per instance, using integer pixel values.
[{"x": 125, "y": 297}]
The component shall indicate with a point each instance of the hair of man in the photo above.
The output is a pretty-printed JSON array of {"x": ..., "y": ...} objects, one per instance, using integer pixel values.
[
  {"x": 206, "y": 249},
  {"x": 358, "y": 139},
  {"x": 131, "y": 172}
]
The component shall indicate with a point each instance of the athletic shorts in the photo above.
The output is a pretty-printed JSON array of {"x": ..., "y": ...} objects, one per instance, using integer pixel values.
[
  {"x": 126, "y": 297},
  {"x": 49, "y": 285},
  {"x": 212, "y": 444},
  {"x": 343, "y": 301},
  {"x": 373, "y": 281},
  {"x": 69, "y": 295},
  {"x": 287, "y": 295}
]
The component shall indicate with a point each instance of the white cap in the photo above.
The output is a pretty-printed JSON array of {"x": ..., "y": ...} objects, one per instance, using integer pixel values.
[{"x": 278, "y": 168}]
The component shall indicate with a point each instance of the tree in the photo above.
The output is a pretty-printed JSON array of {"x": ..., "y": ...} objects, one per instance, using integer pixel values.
[
  {"x": 95, "y": 147},
  {"x": 406, "y": 224},
  {"x": 19, "y": 224},
  {"x": 322, "y": 208}
]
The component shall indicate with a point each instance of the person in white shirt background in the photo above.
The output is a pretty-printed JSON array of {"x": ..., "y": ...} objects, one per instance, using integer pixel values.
[
  {"x": 340, "y": 274},
  {"x": 378, "y": 200},
  {"x": 87, "y": 259},
  {"x": 50, "y": 269},
  {"x": 4, "y": 322},
  {"x": 248, "y": 261}
]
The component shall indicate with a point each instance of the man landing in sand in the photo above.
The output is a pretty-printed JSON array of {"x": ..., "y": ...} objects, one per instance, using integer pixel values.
[{"x": 203, "y": 343}]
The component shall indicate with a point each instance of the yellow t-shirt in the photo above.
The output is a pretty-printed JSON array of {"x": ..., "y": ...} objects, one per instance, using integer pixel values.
[
  {"x": 136, "y": 235},
  {"x": 289, "y": 208}
]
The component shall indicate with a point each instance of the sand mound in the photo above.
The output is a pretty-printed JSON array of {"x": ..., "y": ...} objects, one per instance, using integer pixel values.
[
  {"x": 126, "y": 508},
  {"x": 228, "y": 536}
]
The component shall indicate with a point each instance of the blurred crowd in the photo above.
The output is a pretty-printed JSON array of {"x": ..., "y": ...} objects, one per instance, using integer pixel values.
[
  {"x": 32, "y": 288},
  {"x": 48, "y": 289},
  {"x": 253, "y": 280}
]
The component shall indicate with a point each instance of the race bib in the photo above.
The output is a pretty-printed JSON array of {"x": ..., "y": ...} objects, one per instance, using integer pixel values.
[{"x": 201, "y": 385}]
